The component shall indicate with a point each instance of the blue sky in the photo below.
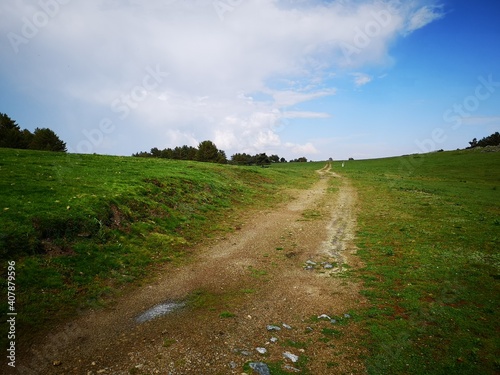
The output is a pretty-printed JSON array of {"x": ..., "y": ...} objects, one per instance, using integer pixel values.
[{"x": 320, "y": 79}]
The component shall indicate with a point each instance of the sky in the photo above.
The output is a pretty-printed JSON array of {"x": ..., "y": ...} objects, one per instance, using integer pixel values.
[{"x": 319, "y": 79}]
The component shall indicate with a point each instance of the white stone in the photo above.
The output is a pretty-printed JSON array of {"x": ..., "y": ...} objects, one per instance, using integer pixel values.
[{"x": 292, "y": 357}]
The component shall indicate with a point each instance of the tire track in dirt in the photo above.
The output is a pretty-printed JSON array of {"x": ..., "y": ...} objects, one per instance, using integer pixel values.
[{"x": 252, "y": 278}]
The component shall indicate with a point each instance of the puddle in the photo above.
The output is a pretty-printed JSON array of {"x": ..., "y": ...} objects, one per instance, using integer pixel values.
[{"x": 159, "y": 310}]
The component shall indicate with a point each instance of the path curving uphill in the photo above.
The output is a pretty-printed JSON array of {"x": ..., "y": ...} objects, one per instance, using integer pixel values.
[{"x": 253, "y": 297}]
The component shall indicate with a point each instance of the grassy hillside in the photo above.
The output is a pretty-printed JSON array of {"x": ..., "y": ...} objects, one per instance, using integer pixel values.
[
  {"x": 429, "y": 233},
  {"x": 81, "y": 226}
]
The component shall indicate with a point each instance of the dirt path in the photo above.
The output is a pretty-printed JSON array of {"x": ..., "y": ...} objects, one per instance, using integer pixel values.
[{"x": 284, "y": 267}]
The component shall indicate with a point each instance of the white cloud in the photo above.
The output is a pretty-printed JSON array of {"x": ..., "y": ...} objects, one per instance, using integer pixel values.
[
  {"x": 289, "y": 98},
  {"x": 305, "y": 114},
  {"x": 305, "y": 149},
  {"x": 422, "y": 16},
  {"x": 92, "y": 58},
  {"x": 361, "y": 79}
]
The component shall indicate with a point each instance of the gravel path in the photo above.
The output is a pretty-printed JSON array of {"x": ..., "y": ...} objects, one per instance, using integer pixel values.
[{"x": 283, "y": 269}]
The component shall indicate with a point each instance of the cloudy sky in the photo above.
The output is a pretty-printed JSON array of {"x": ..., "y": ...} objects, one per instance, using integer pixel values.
[{"x": 361, "y": 78}]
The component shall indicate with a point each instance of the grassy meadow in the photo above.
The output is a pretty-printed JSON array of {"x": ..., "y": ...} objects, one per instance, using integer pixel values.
[
  {"x": 429, "y": 234},
  {"x": 81, "y": 227}
]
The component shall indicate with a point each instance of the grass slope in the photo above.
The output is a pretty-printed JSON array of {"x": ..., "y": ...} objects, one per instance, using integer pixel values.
[
  {"x": 81, "y": 226},
  {"x": 429, "y": 233}
]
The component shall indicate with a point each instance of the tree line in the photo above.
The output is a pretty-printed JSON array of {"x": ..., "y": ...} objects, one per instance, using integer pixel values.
[
  {"x": 207, "y": 151},
  {"x": 492, "y": 140},
  {"x": 11, "y": 136}
]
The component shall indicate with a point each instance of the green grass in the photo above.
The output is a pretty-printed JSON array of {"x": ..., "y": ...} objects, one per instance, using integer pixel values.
[
  {"x": 294, "y": 344},
  {"x": 226, "y": 314},
  {"x": 81, "y": 227},
  {"x": 309, "y": 215},
  {"x": 168, "y": 342},
  {"x": 254, "y": 272},
  {"x": 429, "y": 234}
]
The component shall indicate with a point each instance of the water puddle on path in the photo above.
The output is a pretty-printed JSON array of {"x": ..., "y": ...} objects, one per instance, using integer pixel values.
[{"x": 159, "y": 310}]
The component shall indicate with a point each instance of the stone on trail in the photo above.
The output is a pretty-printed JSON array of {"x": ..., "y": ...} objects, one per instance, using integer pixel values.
[
  {"x": 261, "y": 350},
  {"x": 291, "y": 369},
  {"x": 260, "y": 368},
  {"x": 287, "y": 326},
  {"x": 292, "y": 357},
  {"x": 324, "y": 316},
  {"x": 270, "y": 327}
]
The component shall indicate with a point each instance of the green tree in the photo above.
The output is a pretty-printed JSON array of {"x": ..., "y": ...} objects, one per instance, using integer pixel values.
[
  {"x": 46, "y": 140},
  {"x": 221, "y": 157},
  {"x": 207, "y": 151},
  {"x": 492, "y": 140},
  {"x": 167, "y": 153},
  {"x": 242, "y": 159},
  {"x": 42, "y": 139},
  {"x": 155, "y": 152},
  {"x": 274, "y": 158},
  {"x": 27, "y": 138},
  {"x": 473, "y": 143},
  {"x": 188, "y": 152},
  {"x": 10, "y": 133},
  {"x": 262, "y": 159},
  {"x": 142, "y": 154}
]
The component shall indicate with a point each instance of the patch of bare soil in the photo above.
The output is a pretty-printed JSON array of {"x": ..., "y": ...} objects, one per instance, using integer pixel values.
[{"x": 284, "y": 267}]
